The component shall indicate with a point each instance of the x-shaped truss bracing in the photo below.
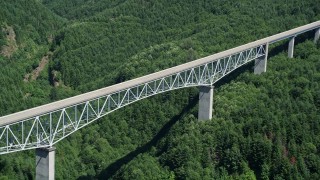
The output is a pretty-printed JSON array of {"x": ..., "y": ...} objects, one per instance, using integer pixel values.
[{"x": 47, "y": 129}]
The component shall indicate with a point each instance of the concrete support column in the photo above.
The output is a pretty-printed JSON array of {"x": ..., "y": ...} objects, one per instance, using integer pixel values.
[
  {"x": 260, "y": 65},
  {"x": 205, "y": 102},
  {"x": 291, "y": 47},
  {"x": 45, "y": 163},
  {"x": 317, "y": 35}
]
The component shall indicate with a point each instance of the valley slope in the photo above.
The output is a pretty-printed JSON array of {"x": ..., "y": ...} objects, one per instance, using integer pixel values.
[{"x": 264, "y": 127}]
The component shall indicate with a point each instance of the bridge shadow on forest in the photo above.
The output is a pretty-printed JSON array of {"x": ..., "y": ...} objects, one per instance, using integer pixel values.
[{"x": 115, "y": 166}]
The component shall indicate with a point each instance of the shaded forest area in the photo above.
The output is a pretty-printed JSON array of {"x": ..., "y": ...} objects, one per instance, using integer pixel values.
[{"x": 264, "y": 127}]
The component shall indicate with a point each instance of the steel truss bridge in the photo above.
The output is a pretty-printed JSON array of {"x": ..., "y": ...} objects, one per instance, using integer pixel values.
[{"x": 44, "y": 126}]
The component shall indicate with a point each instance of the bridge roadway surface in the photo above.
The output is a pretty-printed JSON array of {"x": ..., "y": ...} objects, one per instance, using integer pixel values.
[{"x": 29, "y": 113}]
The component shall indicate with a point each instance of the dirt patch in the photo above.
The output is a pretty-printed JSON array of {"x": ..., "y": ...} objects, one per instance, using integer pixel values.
[
  {"x": 11, "y": 46},
  {"x": 26, "y": 78},
  {"x": 55, "y": 79},
  {"x": 36, "y": 72},
  {"x": 26, "y": 95}
]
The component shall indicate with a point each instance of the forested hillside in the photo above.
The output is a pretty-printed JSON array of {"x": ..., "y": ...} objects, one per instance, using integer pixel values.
[
  {"x": 114, "y": 36},
  {"x": 264, "y": 127},
  {"x": 27, "y": 29}
]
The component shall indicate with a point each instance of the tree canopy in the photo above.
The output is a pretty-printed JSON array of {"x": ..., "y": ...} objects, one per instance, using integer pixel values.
[{"x": 264, "y": 127}]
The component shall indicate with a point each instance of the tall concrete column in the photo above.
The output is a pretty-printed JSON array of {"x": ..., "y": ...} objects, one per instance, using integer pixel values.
[
  {"x": 205, "y": 102},
  {"x": 260, "y": 65},
  {"x": 45, "y": 163},
  {"x": 291, "y": 47},
  {"x": 317, "y": 35}
]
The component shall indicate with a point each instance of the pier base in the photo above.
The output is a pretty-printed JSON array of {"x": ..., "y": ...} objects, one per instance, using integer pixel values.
[
  {"x": 205, "y": 102},
  {"x": 260, "y": 65},
  {"x": 45, "y": 158},
  {"x": 291, "y": 47},
  {"x": 317, "y": 35}
]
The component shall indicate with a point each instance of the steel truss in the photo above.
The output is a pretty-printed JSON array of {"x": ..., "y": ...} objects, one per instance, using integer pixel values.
[{"x": 48, "y": 129}]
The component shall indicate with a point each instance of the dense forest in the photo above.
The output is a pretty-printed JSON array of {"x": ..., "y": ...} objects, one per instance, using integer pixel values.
[{"x": 264, "y": 127}]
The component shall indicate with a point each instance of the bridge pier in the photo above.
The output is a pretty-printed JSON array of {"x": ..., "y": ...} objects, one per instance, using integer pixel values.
[
  {"x": 291, "y": 47},
  {"x": 205, "y": 102},
  {"x": 317, "y": 35},
  {"x": 45, "y": 158},
  {"x": 260, "y": 65}
]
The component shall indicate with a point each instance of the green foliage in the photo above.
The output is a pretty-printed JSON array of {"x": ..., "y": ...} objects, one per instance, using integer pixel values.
[
  {"x": 106, "y": 39},
  {"x": 30, "y": 19},
  {"x": 264, "y": 127}
]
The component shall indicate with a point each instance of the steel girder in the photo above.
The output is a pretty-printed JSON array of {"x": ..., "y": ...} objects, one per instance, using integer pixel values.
[{"x": 47, "y": 129}]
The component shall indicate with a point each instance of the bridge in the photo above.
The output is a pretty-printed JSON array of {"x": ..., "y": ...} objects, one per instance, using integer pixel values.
[{"x": 41, "y": 127}]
